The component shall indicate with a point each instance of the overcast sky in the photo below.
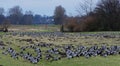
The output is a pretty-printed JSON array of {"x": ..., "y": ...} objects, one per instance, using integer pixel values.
[{"x": 43, "y": 7}]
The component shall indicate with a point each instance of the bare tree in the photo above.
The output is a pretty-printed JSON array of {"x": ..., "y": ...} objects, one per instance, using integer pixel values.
[
  {"x": 2, "y": 17},
  {"x": 108, "y": 12},
  {"x": 15, "y": 14},
  {"x": 85, "y": 7},
  {"x": 15, "y": 10},
  {"x": 28, "y": 13},
  {"x": 59, "y": 15},
  {"x": 28, "y": 18},
  {"x": 2, "y": 11}
]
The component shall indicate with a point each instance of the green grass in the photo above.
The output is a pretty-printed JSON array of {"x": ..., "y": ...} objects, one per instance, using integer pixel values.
[
  {"x": 93, "y": 61},
  {"x": 2, "y": 33}
]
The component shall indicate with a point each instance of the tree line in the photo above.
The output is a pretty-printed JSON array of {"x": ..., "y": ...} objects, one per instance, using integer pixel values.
[
  {"x": 104, "y": 17},
  {"x": 16, "y": 16}
]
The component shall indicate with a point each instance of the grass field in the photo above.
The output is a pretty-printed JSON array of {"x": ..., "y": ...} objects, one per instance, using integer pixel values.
[
  {"x": 13, "y": 41},
  {"x": 34, "y": 28},
  {"x": 93, "y": 61}
]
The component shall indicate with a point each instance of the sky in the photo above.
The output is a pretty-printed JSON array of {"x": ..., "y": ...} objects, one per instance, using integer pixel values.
[{"x": 43, "y": 7}]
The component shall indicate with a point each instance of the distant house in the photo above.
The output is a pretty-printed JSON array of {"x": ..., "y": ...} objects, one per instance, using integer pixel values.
[{"x": 38, "y": 19}]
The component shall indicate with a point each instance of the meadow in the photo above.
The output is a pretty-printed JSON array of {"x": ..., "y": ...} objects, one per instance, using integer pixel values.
[{"x": 24, "y": 36}]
